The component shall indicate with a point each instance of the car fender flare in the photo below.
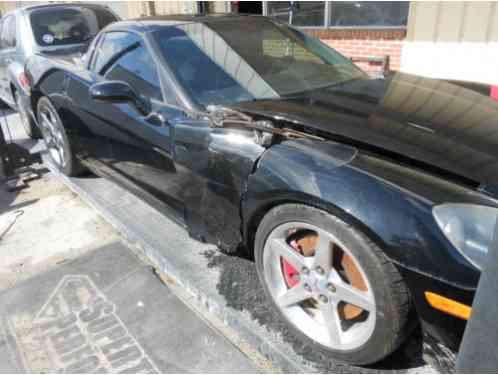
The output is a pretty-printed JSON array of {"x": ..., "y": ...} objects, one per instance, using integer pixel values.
[{"x": 400, "y": 223}]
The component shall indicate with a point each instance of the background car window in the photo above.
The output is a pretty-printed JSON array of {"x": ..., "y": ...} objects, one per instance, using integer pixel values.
[
  {"x": 136, "y": 67},
  {"x": 63, "y": 26},
  {"x": 8, "y": 38}
]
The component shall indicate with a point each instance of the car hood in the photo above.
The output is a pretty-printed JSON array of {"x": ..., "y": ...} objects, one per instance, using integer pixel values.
[{"x": 428, "y": 122}]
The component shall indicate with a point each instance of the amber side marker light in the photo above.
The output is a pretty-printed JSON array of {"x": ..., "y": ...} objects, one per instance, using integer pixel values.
[{"x": 448, "y": 305}]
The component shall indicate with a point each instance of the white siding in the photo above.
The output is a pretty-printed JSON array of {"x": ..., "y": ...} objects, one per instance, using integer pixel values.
[{"x": 453, "y": 40}]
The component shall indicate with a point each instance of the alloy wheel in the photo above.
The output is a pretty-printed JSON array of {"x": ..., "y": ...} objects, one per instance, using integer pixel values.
[
  {"x": 319, "y": 286},
  {"x": 53, "y": 137}
]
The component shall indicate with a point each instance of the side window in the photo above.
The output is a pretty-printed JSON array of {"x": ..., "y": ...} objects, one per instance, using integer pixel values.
[
  {"x": 8, "y": 38},
  {"x": 136, "y": 67},
  {"x": 110, "y": 44}
]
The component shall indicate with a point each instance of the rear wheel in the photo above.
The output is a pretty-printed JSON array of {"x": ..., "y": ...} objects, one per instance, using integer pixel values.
[
  {"x": 56, "y": 140},
  {"x": 336, "y": 290},
  {"x": 27, "y": 122}
]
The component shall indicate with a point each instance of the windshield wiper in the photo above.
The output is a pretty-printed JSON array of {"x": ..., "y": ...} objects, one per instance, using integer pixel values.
[{"x": 222, "y": 116}]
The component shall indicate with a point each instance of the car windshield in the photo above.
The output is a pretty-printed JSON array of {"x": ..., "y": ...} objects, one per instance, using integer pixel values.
[
  {"x": 68, "y": 25},
  {"x": 230, "y": 61}
]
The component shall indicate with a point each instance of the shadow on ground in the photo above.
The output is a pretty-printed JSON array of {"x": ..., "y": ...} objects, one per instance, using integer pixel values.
[{"x": 240, "y": 286}]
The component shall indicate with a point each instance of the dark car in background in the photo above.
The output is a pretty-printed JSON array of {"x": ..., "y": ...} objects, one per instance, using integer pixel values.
[
  {"x": 59, "y": 30},
  {"x": 368, "y": 204}
]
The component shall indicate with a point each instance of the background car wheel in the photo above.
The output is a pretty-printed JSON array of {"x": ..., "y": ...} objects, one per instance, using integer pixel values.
[
  {"x": 55, "y": 137},
  {"x": 27, "y": 122},
  {"x": 336, "y": 290}
]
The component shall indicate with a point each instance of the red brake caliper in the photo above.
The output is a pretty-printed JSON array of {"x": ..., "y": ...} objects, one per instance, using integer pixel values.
[{"x": 291, "y": 275}]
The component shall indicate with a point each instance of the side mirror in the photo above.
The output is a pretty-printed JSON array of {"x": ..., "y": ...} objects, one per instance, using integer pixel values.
[{"x": 119, "y": 92}]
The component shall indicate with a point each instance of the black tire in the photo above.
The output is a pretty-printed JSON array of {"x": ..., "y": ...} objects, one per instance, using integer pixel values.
[
  {"x": 392, "y": 298},
  {"x": 27, "y": 122},
  {"x": 71, "y": 167}
]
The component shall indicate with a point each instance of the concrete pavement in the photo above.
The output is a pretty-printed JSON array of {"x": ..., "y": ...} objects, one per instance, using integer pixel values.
[
  {"x": 75, "y": 298},
  {"x": 106, "y": 311}
]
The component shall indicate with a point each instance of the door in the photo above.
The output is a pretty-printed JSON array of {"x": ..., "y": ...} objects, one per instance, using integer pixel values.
[
  {"x": 7, "y": 54},
  {"x": 140, "y": 143}
]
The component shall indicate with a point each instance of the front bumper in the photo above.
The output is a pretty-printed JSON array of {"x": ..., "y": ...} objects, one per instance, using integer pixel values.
[{"x": 438, "y": 325}]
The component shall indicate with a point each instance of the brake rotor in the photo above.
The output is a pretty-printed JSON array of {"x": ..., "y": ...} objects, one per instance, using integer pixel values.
[{"x": 306, "y": 246}]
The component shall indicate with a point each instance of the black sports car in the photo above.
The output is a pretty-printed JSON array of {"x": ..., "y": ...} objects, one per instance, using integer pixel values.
[{"x": 368, "y": 204}]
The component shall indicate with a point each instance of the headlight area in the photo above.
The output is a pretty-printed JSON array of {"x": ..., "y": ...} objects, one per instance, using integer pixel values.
[{"x": 470, "y": 229}]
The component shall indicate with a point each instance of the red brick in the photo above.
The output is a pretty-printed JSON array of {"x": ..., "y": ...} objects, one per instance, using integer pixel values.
[{"x": 364, "y": 43}]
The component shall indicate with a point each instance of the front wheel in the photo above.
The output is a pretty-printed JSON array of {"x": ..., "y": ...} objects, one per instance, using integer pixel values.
[
  {"x": 334, "y": 288},
  {"x": 56, "y": 140}
]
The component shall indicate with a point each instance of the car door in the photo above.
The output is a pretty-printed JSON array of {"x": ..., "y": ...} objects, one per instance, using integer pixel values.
[{"x": 140, "y": 143}]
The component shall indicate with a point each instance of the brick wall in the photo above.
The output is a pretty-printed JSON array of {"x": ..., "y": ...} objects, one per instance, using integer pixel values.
[{"x": 365, "y": 43}]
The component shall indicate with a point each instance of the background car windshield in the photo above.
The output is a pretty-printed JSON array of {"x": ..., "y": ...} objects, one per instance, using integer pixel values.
[
  {"x": 230, "y": 61},
  {"x": 63, "y": 26}
]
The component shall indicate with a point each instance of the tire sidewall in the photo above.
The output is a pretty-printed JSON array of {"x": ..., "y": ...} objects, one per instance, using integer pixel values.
[
  {"x": 375, "y": 348},
  {"x": 68, "y": 168}
]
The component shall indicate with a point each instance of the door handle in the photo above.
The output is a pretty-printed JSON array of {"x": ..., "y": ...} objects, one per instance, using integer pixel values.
[{"x": 156, "y": 119}]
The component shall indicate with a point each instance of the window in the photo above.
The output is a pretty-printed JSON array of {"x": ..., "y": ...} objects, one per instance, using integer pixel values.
[
  {"x": 111, "y": 43},
  {"x": 299, "y": 13},
  {"x": 205, "y": 80},
  {"x": 362, "y": 14},
  {"x": 230, "y": 62},
  {"x": 133, "y": 64},
  {"x": 8, "y": 38},
  {"x": 68, "y": 25},
  {"x": 369, "y": 13}
]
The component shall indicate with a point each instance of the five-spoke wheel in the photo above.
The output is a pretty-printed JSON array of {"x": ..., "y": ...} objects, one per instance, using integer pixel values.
[
  {"x": 319, "y": 285},
  {"x": 334, "y": 287}
]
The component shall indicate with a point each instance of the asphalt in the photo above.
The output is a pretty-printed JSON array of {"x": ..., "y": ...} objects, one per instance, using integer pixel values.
[{"x": 107, "y": 311}]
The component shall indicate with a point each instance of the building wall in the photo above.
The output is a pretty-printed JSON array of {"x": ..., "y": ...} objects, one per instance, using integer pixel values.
[
  {"x": 7, "y": 6},
  {"x": 453, "y": 40},
  {"x": 365, "y": 43},
  {"x": 145, "y": 8}
]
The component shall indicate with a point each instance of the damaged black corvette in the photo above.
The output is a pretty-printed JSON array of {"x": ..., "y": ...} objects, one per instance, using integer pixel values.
[{"x": 368, "y": 204}]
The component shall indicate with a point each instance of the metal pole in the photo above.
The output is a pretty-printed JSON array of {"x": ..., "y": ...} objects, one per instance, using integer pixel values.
[{"x": 478, "y": 353}]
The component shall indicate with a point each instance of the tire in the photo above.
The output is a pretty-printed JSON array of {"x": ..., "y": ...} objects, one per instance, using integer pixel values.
[
  {"x": 54, "y": 134},
  {"x": 358, "y": 271},
  {"x": 27, "y": 122}
]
